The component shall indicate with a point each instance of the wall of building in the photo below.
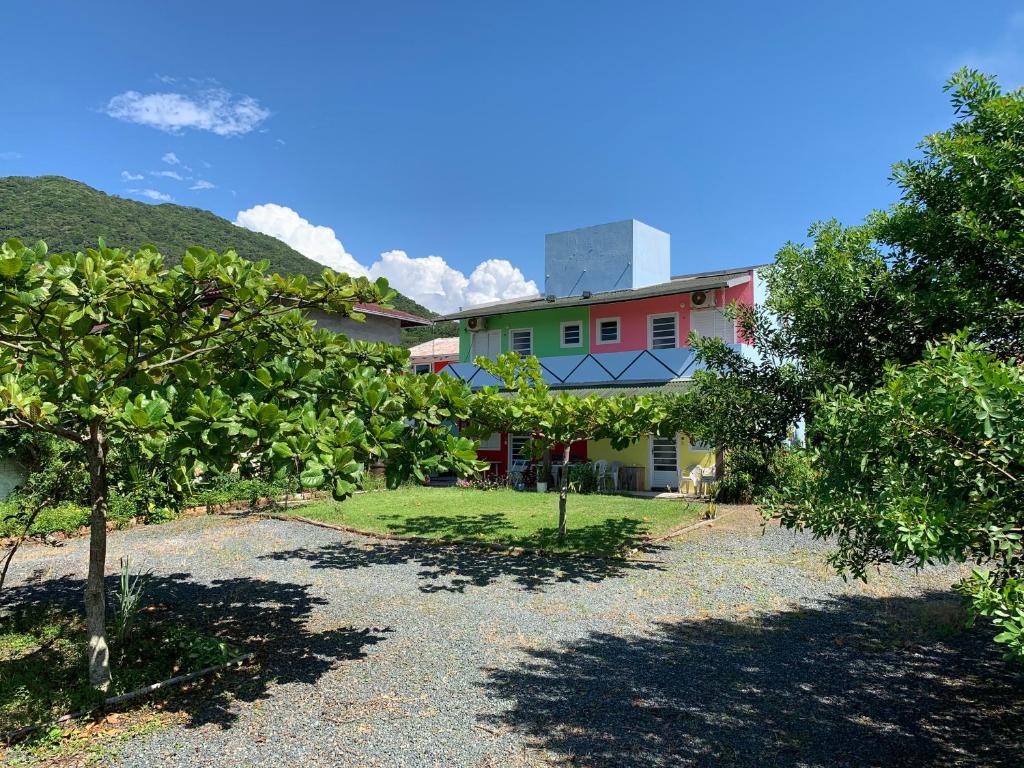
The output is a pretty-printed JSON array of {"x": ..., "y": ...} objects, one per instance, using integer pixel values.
[
  {"x": 547, "y": 331},
  {"x": 639, "y": 455},
  {"x": 374, "y": 328},
  {"x": 607, "y": 257},
  {"x": 633, "y": 321}
]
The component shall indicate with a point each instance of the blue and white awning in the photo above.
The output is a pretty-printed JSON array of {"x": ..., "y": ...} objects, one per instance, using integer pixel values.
[{"x": 648, "y": 366}]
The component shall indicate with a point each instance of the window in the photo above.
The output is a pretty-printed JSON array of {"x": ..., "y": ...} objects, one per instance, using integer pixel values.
[
  {"x": 421, "y": 368},
  {"x": 485, "y": 344},
  {"x": 572, "y": 334},
  {"x": 661, "y": 331},
  {"x": 713, "y": 323},
  {"x": 608, "y": 330},
  {"x": 521, "y": 341},
  {"x": 516, "y": 443},
  {"x": 491, "y": 443}
]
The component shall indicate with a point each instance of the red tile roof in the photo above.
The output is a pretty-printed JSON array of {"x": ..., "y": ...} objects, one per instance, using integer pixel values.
[
  {"x": 447, "y": 347},
  {"x": 407, "y": 318}
]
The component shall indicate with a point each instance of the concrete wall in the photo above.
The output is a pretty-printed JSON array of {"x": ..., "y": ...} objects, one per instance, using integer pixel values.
[
  {"x": 606, "y": 257},
  {"x": 374, "y": 328}
]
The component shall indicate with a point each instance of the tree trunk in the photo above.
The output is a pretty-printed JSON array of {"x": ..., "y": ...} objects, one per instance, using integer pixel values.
[
  {"x": 95, "y": 594},
  {"x": 563, "y": 491}
]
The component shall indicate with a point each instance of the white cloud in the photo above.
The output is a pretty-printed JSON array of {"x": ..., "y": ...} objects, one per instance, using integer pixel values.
[
  {"x": 318, "y": 243},
  {"x": 212, "y": 109},
  {"x": 152, "y": 194},
  {"x": 429, "y": 280},
  {"x": 171, "y": 159},
  {"x": 127, "y": 176},
  {"x": 168, "y": 175},
  {"x": 203, "y": 184},
  {"x": 10, "y": 155},
  {"x": 1004, "y": 58}
]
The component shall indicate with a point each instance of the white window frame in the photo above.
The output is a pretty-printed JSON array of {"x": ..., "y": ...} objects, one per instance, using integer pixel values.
[
  {"x": 512, "y": 453},
  {"x": 618, "y": 330},
  {"x": 416, "y": 368},
  {"x": 561, "y": 334},
  {"x": 512, "y": 331},
  {"x": 491, "y": 443},
  {"x": 650, "y": 328}
]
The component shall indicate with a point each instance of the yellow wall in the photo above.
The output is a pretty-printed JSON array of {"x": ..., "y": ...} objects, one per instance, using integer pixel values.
[{"x": 639, "y": 454}]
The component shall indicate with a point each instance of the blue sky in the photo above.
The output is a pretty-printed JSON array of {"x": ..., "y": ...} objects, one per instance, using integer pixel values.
[{"x": 465, "y": 131}]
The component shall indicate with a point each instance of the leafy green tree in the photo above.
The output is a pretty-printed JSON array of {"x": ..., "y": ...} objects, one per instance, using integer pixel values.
[
  {"x": 927, "y": 468},
  {"x": 529, "y": 406},
  {"x": 206, "y": 364},
  {"x": 957, "y": 234}
]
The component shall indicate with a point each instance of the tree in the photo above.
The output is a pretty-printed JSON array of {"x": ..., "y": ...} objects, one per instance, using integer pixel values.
[
  {"x": 957, "y": 234},
  {"x": 927, "y": 468},
  {"x": 205, "y": 364},
  {"x": 558, "y": 418}
]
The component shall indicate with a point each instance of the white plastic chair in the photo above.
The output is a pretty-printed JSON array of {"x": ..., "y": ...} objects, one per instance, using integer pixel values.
[
  {"x": 601, "y": 473},
  {"x": 516, "y": 470},
  {"x": 696, "y": 480},
  {"x": 615, "y": 466}
]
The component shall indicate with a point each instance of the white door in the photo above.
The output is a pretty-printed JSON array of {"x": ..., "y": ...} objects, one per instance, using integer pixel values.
[
  {"x": 664, "y": 462},
  {"x": 485, "y": 344}
]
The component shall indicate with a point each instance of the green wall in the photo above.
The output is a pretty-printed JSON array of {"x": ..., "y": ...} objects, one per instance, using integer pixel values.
[{"x": 547, "y": 330}]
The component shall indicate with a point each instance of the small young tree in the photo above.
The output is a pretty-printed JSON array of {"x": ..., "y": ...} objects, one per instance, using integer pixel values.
[
  {"x": 207, "y": 363},
  {"x": 528, "y": 405}
]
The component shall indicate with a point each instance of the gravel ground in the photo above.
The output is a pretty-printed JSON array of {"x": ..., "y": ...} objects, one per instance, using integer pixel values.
[{"x": 729, "y": 647}]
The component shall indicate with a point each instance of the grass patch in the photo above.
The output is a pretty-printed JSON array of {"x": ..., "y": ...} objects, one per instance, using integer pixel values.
[
  {"x": 597, "y": 524},
  {"x": 43, "y": 671}
]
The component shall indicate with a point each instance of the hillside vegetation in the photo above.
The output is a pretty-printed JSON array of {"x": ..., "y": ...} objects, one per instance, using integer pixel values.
[{"x": 72, "y": 216}]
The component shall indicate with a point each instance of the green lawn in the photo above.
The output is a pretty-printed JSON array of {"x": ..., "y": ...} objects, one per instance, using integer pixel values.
[{"x": 598, "y": 524}]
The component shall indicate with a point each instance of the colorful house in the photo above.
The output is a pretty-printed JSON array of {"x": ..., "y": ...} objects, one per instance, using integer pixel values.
[
  {"x": 613, "y": 319},
  {"x": 431, "y": 356}
]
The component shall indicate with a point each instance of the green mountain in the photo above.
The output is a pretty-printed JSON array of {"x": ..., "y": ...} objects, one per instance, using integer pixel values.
[{"x": 72, "y": 216}]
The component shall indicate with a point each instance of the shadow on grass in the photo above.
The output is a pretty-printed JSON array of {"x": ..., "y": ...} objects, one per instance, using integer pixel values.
[
  {"x": 607, "y": 539},
  {"x": 453, "y": 568},
  {"x": 859, "y": 682},
  {"x": 268, "y": 618}
]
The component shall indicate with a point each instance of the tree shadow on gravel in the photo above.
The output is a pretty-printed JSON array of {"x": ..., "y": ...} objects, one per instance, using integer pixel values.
[
  {"x": 859, "y": 682},
  {"x": 453, "y": 568},
  {"x": 268, "y": 618}
]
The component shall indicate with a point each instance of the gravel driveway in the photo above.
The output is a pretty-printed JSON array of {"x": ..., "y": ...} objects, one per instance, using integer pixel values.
[{"x": 729, "y": 647}]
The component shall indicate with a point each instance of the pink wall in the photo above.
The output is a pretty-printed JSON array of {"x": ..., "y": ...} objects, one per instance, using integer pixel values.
[
  {"x": 633, "y": 320},
  {"x": 633, "y": 316}
]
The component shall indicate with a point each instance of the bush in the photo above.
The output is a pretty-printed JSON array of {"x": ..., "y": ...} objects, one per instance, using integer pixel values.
[
  {"x": 64, "y": 518},
  {"x": 582, "y": 478},
  {"x": 224, "y": 489}
]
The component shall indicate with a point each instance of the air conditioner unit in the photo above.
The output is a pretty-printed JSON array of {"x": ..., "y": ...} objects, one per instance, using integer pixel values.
[
  {"x": 476, "y": 323},
  {"x": 700, "y": 299}
]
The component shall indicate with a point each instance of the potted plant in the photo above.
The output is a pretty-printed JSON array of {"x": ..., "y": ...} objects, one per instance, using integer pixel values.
[{"x": 535, "y": 450}]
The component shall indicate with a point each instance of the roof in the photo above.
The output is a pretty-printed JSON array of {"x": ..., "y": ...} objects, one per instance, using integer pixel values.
[
  {"x": 668, "y": 388},
  {"x": 443, "y": 347},
  {"x": 700, "y": 281},
  {"x": 407, "y": 318},
  {"x": 635, "y": 368}
]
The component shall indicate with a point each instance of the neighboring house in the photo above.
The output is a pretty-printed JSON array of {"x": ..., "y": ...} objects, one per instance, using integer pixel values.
[
  {"x": 380, "y": 324},
  {"x": 431, "y": 356},
  {"x": 613, "y": 319}
]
